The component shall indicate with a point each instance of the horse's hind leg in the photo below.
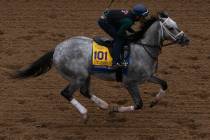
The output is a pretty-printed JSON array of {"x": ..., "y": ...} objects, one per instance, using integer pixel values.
[
  {"x": 85, "y": 91},
  {"x": 162, "y": 91},
  {"x": 68, "y": 94}
]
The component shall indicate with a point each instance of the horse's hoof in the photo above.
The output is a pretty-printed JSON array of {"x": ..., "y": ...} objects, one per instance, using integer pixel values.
[
  {"x": 104, "y": 106},
  {"x": 84, "y": 118},
  {"x": 153, "y": 103},
  {"x": 100, "y": 103}
]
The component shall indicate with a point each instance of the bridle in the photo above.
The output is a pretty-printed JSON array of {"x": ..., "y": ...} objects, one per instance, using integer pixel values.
[{"x": 173, "y": 37}]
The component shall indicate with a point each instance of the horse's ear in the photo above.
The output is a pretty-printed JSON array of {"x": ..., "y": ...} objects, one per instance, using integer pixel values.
[{"x": 163, "y": 14}]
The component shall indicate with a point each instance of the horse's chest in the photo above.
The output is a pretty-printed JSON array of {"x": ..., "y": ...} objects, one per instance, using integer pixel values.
[{"x": 141, "y": 71}]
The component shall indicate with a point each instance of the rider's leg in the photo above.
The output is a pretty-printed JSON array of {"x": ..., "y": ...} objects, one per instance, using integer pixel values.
[
  {"x": 85, "y": 91},
  {"x": 108, "y": 28},
  {"x": 162, "y": 91},
  {"x": 117, "y": 49},
  {"x": 118, "y": 41}
]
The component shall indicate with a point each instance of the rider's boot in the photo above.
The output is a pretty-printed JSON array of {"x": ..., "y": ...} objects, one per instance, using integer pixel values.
[
  {"x": 118, "y": 63},
  {"x": 118, "y": 60}
]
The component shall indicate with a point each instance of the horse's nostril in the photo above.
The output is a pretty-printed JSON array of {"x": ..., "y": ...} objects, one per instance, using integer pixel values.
[{"x": 187, "y": 40}]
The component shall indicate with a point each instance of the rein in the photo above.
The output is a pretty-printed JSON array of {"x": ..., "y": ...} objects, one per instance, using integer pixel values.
[
  {"x": 155, "y": 46},
  {"x": 150, "y": 46}
]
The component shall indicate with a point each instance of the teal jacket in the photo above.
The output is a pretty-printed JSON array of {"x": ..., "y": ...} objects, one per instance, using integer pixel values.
[
  {"x": 125, "y": 25},
  {"x": 122, "y": 20}
]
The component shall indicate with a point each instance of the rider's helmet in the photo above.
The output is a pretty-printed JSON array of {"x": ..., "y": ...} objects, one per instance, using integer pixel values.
[{"x": 140, "y": 10}]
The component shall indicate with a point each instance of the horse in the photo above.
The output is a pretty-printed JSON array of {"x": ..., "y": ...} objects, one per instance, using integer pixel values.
[{"x": 72, "y": 59}]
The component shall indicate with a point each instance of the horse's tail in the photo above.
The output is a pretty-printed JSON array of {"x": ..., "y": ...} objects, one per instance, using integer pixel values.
[{"x": 40, "y": 66}]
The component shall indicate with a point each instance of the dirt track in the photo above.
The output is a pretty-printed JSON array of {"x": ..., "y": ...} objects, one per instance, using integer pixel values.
[{"x": 34, "y": 110}]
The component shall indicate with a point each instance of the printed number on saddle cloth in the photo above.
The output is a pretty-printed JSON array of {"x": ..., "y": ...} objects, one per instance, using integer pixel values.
[{"x": 100, "y": 55}]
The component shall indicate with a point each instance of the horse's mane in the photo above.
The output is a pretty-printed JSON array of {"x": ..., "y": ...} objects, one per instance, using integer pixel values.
[{"x": 139, "y": 34}]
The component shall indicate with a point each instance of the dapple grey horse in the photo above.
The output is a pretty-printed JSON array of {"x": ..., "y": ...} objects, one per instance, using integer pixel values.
[{"x": 72, "y": 59}]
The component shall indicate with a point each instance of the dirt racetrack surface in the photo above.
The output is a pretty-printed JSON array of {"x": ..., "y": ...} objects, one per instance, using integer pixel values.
[{"x": 33, "y": 109}]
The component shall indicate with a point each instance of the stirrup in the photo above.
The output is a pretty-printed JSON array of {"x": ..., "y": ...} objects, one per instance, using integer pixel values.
[
  {"x": 120, "y": 65},
  {"x": 124, "y": 63},
  {"x": 116, "y": 66}
]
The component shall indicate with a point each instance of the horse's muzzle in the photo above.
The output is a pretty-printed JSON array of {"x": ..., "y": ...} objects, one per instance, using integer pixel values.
[{"x": 183, "y": 40}]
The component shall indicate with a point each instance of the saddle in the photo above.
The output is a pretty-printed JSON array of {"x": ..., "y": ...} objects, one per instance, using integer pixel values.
[
  {"x": 104, "y": 41},
  {"x": 108, "y": 43}
]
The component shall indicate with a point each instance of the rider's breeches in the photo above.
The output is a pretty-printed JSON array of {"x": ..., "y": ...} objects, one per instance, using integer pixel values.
[
  {"x": 117, "y": 50},
  {"x": 118, "y": 41},
  {"x": 108, "y": 28}
]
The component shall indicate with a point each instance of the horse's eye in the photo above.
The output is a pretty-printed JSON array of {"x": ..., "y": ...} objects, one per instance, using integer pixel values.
[{"x": 170, "y": 28}]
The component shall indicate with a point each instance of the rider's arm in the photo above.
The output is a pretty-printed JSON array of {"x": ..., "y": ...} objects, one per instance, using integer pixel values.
[
  {"x": 125, "y": 25},
  {"x": 131, "y": 30}
]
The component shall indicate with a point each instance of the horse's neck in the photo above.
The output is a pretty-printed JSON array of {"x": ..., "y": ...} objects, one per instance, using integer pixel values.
[
  {"x": 144, "y": 57},
  {"x": 152, "y": 40},
  {"x": 152, "y": 35}
]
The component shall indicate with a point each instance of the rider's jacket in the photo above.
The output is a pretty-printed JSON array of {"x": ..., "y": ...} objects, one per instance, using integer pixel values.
[{"x": 121, "y": 19}]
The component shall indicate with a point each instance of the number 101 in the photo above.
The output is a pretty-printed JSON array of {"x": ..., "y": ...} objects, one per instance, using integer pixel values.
[{"x": 100, "y": 55}]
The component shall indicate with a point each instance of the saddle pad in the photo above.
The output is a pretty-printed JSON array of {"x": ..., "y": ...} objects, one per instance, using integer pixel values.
[{"x": 101, "y": 56}]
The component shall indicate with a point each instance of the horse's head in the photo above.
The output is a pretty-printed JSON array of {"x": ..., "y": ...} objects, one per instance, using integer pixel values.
[{"x": 170, "y": 30}]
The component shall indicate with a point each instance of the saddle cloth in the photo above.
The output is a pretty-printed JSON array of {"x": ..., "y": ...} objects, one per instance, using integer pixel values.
[
  {"x": 102, "y": 61},
  {"x": 101, "y": 57}
]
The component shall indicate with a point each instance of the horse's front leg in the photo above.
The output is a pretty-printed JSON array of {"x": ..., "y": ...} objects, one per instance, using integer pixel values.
[
  {"x": 135, "y": 94},
  {"x": 162, "y": 91}
]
